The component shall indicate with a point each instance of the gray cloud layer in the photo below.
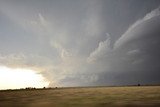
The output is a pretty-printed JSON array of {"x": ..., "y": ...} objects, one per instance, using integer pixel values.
[
  {"x": 135, "y": 55},
  {"x": 74, "y": 43}
]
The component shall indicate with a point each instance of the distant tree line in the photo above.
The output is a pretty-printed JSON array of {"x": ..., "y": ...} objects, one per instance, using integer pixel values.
[{"x": 30, "y": 88}]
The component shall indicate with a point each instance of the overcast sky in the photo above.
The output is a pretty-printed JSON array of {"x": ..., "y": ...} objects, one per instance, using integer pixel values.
[{"x": 83, "y": 42}]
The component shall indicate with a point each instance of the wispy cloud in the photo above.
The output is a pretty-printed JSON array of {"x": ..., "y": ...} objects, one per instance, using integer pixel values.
[{"x": 69, "y": 46}]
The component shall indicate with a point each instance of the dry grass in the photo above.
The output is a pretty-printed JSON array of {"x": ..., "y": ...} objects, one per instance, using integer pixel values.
[{"x": 83, "y": 97}]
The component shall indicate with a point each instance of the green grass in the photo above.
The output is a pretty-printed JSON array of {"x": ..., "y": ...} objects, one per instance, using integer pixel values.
[{"x": 83, "y": 97}]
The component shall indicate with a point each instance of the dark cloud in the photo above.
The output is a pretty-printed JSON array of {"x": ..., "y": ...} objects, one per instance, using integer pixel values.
[
  {"x": 135, "y": 55},
  {"x": 80, "y": 43}
]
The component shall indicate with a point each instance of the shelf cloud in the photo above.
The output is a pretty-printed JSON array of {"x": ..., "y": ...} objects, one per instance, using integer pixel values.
[{"x": 83, "y": 43}]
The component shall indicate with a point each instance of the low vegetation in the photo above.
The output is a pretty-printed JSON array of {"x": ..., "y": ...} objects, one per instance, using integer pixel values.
[{"x": 82, "y": 97}]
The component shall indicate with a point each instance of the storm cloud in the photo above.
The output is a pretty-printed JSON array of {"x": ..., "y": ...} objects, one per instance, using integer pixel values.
[
  {"x": 83, "y": 43},
  {"x": 135, "y": 55}
]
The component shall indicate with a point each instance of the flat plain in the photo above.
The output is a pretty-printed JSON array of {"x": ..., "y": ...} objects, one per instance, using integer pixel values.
[{"x": 139, "y": 96}]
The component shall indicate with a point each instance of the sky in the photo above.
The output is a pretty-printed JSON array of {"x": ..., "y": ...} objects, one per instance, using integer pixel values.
[{"x": 68, "y": 43}]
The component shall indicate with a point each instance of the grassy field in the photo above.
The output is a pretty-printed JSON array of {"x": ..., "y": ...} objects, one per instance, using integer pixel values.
[{"x": 83, "y": 97}]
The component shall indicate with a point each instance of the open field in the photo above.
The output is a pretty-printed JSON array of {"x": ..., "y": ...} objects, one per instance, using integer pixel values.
[{"x": 83, "y": 97}]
